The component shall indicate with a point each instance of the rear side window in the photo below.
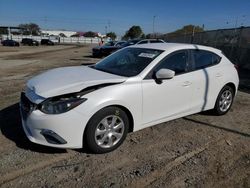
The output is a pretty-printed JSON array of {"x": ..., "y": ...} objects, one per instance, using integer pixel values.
[{"x": 203, "y": 59}]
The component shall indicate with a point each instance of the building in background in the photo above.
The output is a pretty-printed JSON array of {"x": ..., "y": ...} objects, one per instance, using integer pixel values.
[
  {"x": 65, "y": 33},
  {"x": 62, "y": 33}
]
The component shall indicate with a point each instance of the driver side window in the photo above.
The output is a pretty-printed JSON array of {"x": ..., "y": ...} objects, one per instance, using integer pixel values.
[{"x": 176, "y": 62}]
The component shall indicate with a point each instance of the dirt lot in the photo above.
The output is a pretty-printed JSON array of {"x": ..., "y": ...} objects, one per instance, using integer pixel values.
[{"x": 196, "y": 151}]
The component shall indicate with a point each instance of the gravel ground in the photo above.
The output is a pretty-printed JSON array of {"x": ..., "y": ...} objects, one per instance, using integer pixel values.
[{"x": 200, "y": 150}]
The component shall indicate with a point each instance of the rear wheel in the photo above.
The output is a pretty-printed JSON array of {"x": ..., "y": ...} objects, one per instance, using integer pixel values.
[
  {"x": 106, "y": 130},
  {"x": 224, "y": 100}
]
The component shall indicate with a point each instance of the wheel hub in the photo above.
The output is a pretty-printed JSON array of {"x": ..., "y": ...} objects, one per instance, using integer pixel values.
[
  {"x": 225, "y": 100},
  {"x": 109, "y": 131}
]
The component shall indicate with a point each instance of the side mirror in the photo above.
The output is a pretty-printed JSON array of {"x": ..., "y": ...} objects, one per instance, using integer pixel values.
[{"x": 164, "y": 74}]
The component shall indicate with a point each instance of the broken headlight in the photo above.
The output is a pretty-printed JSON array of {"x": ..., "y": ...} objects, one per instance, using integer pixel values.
[{"x": 61, "y": 104}]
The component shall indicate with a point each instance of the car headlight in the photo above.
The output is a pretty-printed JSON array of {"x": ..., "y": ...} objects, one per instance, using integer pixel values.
[{"x": 58, "y": 105}]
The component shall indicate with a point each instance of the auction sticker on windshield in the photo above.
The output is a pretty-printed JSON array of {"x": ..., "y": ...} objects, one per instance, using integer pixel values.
[{"x": 148, "y": 55}]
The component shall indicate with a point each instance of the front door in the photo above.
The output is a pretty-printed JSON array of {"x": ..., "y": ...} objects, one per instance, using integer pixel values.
[{"x": 170, "y": 97}]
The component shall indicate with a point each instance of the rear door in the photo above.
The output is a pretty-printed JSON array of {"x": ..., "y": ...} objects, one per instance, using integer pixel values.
[{"x": 208, "y": 79}]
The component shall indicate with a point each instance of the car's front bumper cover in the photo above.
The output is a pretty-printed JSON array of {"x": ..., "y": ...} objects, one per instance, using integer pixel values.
[{"x": 67, "y": 128}]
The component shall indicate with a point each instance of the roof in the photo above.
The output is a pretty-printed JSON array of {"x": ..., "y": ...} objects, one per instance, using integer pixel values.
[
  {"x": 151, "y": 40},
  {"x": 175, "y": 46}
]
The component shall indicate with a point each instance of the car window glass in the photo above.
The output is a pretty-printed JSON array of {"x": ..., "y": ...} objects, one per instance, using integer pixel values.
[
  {"x": 204, "y": 59},
  {"x": 176, "y": 62},
  {"x": 128, "y": 62}
]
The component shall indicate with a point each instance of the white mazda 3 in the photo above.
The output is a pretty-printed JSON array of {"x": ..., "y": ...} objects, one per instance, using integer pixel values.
[{"x": 136, "y": 87}]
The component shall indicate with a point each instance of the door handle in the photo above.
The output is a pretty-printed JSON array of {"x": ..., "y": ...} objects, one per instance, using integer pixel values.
[
  {"x": 186, "y": 83},
  {"x": 218, "y": 75}
]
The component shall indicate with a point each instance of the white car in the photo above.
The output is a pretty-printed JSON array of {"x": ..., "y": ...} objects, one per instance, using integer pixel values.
[
  {"x": 145, "y": 41},
  {"x": 134, "y": 88}
]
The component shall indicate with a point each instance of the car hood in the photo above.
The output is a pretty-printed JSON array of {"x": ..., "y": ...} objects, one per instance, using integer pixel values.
[{"x": 65, "y": 80}]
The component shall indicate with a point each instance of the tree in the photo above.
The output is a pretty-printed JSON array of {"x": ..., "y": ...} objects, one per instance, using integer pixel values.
[
  {"x": 154, "y": 36},
  {"x": 134, "y": 32},
  {"x": 112, "y": 35},
  {"x": 3, "y": 30},
  {"x": 90, "y": 34},
  {"x": 62, "y": 35},
  {"x": 30, "y": 29},
  {"x": 187, "y": 29},
  {"x": 148, "y": 36},
  {"x": 75, "y": 35},
  {"x": 143, "y": 36}
]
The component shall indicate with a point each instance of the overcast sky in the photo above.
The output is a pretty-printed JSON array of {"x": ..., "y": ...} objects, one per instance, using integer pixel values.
[{"x": 118, "y": 15}]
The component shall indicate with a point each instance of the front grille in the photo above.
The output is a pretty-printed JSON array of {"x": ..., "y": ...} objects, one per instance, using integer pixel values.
[{"x": 26, "y": 106}]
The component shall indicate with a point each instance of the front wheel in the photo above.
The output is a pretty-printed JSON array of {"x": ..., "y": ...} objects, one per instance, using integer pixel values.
[
  {"x": 106, "y": 130},
  {"x": 224, "y": 100}
]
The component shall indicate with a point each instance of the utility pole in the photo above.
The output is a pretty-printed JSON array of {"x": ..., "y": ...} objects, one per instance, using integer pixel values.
[
  {"x": 9, "y": 33},
  {"x": 154, "y": 25},
  {"x": 106, "y": 29},
  {"x": 192, "y": 38},
  {"x": 236, "y": 23},
  {"x": 109, "y": 25},
  {"x": 45, "y": 25}
]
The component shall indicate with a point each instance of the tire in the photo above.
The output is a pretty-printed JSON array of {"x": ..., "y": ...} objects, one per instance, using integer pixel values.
[
  {"x": 225, "y": 97},
  {"x": 106, "y": 130}
]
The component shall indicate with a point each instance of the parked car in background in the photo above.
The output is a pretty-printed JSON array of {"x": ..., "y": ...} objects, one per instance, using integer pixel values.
[
  {"x": 119, "y": 43},
  {"x": 145, "y": 41},
  {"x": 103, "y": 50},
  {"x": 106, "y": 50},
  {"x": 47, "y": 42},
  {"x": 131, "y": 42},
  {"x": 30, "y": 42},
  {"x": 134, "y": 88},
  {"x": 10, "y": 43}
]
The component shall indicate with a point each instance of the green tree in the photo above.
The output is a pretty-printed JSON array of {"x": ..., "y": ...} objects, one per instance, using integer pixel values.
[
  {"x": 75, "y": 35},
  {"x": 154, "y": 36},
  {"x": 143, "y": 36},
  {"x": 90, "y": 34},
  {"x": 187, "y": 29},
  {"x": 149, "y": 36},
  {"x": 62, "y": 35},
  {"x": 112, "y": 35},
  {"x": 134, "y": 32},
  {"x": 3, "y": 30},
  {"x": 30, "y": 29}
]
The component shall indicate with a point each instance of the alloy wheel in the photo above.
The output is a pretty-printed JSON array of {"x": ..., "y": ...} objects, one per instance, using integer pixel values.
[
  {"x": 109, "y": 131},
  {"x": 225, "y": 100}
]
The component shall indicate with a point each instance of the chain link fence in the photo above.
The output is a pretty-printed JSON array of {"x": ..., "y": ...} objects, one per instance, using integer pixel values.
[{"x": 234, "y": 43}]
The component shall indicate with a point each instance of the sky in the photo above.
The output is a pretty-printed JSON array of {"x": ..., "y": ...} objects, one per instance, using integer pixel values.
[{"x": 118, "y": 16}]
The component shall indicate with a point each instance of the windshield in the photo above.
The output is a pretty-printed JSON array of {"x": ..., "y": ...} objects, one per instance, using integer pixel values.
[{"x": 128, "y": 62}]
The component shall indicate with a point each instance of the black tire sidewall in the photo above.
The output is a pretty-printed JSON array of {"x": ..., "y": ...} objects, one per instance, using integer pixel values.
[
  {"x": 217, "y": 105},
  {"x": 89, "y": 135}
]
